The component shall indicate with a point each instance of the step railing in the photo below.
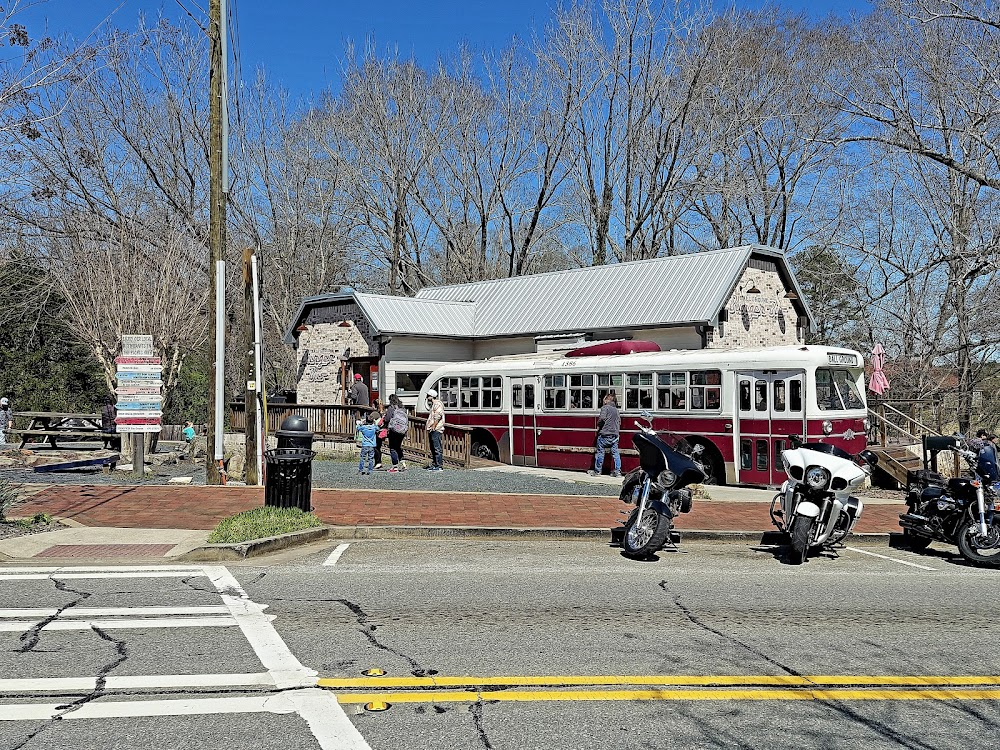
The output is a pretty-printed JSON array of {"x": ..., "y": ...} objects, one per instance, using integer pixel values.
[
  {"x": 889, "y": 425},
  {"x": 338, "y": 422}
]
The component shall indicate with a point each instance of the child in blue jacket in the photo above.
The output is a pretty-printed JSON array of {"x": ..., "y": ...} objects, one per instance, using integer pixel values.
[{"x": 368, "y": 432}]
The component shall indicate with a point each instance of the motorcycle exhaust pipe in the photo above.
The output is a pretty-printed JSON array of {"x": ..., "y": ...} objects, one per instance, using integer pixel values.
[{"x": 915, "y": 522}]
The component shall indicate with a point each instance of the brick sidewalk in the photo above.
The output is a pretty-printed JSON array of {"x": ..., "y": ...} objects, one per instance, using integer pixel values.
[{"x": 193, "y": 507}]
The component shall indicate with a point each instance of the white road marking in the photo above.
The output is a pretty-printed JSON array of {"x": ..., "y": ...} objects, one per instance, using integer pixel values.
[
  {"x": 135, "y": 709},
  {"x": 13, "y": 626},
  {"x": 327, "y": 720},
  {"x": 192, "y": 569},
  {"x": 137, "y": 682},
  {"x": 63, "y": 575},
  {"x": 335, "y": 555},
  {"x": 113, "y": 611},
  {"x": 893, "y": 559}
]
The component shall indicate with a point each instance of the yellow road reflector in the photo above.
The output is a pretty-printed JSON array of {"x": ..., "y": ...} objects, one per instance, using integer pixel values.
[
  {"x": 376, "y": 706},
  {"x": 703, "y": 694},
  {"x": 439, "y": 681},
  {"x": 376, "y": 672}
]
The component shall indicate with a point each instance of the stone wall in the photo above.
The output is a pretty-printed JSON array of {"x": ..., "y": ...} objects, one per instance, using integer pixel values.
[
  {"x": 757, "y": 320},
  {"x": 320, "y": 348}
]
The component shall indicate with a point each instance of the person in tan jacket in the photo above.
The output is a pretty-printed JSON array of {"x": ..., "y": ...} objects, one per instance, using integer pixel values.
[{"x": 435, "y": 430}]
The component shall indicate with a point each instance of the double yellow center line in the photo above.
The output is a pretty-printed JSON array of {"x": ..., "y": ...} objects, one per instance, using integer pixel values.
[{"x": 662, "y": 688}]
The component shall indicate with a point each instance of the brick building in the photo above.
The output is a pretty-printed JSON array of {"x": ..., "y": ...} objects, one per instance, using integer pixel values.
[{"x": 744, "y": 297}]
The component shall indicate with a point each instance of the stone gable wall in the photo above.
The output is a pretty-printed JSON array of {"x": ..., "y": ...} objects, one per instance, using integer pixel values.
[
  {"x": 758, "y": 320},
  {"x": 320, "y": 348}
]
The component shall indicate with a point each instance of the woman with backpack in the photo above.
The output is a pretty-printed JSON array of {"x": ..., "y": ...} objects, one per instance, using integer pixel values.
[{"x": 398, "y": 422}]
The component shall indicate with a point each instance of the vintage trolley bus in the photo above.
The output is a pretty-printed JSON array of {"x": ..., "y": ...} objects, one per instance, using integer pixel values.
[{"x": 745, "y": 406}]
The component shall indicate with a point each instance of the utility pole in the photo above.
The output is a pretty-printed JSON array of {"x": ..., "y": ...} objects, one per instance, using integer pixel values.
[{"x": 217, "y": 238}]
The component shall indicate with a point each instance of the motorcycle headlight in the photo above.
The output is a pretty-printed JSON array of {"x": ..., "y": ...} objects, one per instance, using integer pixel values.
[
  {"x": 666, "y": 479},
  {"x": 817, "y": 477},
  {"x": 827, "y": 427}
]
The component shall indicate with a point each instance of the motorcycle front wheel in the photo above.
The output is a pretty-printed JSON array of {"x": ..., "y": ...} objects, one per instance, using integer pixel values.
[
  {"x": 976, "y": 548},
  {"x": 644, "y": 536},
  {"x": 799, "y": 534}
]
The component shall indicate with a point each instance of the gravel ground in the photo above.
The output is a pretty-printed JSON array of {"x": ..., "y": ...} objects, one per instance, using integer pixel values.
[
  {"x": 340, "y": 474},
  {"x": 9, "y": 530}
]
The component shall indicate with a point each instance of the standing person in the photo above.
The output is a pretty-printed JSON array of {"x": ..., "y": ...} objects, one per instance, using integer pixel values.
[
  {"x": 108, "y": 426},
  {"x": 6, "y": 418},
  {"x": 398, "y": 422},
  {"x": 367, "y": 431},
  {"x": 609, "y": 425},
  {"x": 188, "y": 433},
  {"x": 357, "y": 394},
  {"x": 987, "y": 452},
  {"x": 435, "y": 430},
  {"x": 381, "y": 430}
]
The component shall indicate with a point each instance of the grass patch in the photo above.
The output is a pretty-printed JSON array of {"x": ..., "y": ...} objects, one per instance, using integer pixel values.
[{"x": 261, "y": 522}]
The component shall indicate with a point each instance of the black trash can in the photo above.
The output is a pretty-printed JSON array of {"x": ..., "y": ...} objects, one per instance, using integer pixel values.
[
  {"x": 288, "y": 478},
  {"x": 294, "y": 433}
]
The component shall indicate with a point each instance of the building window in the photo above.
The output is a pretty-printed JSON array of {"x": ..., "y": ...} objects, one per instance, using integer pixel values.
[
  {"x": 492, "y": 392},
  {"x": 410, "y": 382},
  {"x": 639, "y": 391},
  {"x": 581, "y": 391},
  {"x": 555, "y": 391}
]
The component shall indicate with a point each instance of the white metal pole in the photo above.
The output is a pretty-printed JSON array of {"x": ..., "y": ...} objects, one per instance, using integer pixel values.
[
  {"x": 258, "y": 357},
  {"x": 220, "y": 357}
]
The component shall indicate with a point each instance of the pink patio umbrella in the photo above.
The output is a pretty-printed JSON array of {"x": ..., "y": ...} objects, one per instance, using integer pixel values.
[{"x": 879, "y": 383}]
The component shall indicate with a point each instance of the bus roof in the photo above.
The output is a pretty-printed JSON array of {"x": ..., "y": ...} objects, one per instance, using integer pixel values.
[{"x": 783, "y": 357}]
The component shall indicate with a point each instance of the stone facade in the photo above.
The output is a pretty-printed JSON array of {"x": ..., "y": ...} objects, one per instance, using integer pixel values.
[
  {"x": 319, "y": 365},
  {"x": 758, "y": 319}
]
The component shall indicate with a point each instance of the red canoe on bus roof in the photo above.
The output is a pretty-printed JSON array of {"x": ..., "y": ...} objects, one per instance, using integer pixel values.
[{"x": 608, "y": 348}]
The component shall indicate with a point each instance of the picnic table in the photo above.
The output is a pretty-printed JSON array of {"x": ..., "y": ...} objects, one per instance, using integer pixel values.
[{"x": 64, "y": 426}]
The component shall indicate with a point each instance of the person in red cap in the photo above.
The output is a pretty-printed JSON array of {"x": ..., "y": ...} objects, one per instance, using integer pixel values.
[{"x": 357, "y": 394}]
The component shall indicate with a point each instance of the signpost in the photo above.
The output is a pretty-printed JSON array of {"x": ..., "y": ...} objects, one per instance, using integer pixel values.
[{"x": 139, "y": 375}]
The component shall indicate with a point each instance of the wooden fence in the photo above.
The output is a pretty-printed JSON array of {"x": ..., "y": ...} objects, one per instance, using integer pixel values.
[{"x": 337, "y": 422}]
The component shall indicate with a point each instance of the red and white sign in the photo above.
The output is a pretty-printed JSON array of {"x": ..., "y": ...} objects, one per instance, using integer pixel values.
[
  {"x": 138, "y": 390},
  {"x": 136, "y": 420},
  {"x": 137, "y": 361},
  {"x": 140, "y": 368}
]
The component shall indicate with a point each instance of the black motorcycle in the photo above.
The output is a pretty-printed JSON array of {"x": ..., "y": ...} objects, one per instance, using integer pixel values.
[
  {"x": 964, "y": 511},
  {"x": 658, "y": 489}
]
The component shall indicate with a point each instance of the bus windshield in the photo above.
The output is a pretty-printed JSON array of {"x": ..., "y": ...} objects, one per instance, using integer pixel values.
[{"x": 837, "y": 390}]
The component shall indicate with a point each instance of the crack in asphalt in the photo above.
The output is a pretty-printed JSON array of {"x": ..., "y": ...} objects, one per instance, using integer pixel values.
[
  {"x": 368, "y": 632},
  {"x": 29, "y": 638},
  {"x": 877, "y": 726},
  {"x": 476, "y": 711}
]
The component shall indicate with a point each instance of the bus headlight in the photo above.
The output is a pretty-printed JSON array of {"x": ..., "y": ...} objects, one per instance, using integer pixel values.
[
  {"x": 817, "y": 477},
  {"x": 666, "y": 479},
  {"x": 827, "y": 426}
]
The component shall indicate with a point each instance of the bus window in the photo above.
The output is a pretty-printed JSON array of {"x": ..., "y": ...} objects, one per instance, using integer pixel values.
[
  {"x": 745, "y": 397},
  {"x": 470, "y": 393},
  {"x": 746, "y": 448},
  {"x": 639, "y": 391},
  {"x": 581, "y": 391},
  {"x": 448, "y": 391},
  {"x": 779, "y": 446},
  {"x": 760, "y": 395},
  {"x": 492, "y": 392},
  {"x": 515, "y": 397},
  {"x": 607, "y": 383},
  {"x": 555, "y": 391},
  {"x": 795, "y": 395},
  {"x": 529, "y": 396},
  {"x": 761, "y": 455},
  {"x": 837, "y": 389},
  {"x": 671, "y": 392},
  {"x": 706, "y": 389},
  {"x": 779, "y": 395}
]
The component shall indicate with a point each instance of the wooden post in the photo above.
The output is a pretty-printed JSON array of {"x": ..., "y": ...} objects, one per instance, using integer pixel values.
[{"x": 138, "y": 454}]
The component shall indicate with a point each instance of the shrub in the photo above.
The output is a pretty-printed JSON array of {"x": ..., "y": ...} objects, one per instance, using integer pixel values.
[{"x": 258, "y": 523}]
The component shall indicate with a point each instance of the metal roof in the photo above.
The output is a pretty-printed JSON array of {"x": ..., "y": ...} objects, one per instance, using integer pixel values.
[
  {"x": 672, "y": 290},
  {"x": 668, "y": 291}
]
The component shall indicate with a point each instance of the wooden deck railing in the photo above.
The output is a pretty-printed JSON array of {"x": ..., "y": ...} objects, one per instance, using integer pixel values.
[{"x": 338, "y": 422}]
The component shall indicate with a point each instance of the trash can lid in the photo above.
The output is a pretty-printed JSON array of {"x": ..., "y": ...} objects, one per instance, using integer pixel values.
[{"x": 295, "y": 423}]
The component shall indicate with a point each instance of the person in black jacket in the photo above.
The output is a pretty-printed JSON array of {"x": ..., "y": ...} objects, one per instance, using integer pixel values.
[{"x": 108, "y": 426}]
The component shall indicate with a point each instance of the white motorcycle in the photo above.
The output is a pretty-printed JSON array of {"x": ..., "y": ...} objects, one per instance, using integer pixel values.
[{"x": 815, "y": 507}]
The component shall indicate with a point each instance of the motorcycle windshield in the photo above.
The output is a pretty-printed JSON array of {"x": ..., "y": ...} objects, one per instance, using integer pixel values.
[
  {"x": 655, "y": 455},
  {"x": 832, "y": 450}
]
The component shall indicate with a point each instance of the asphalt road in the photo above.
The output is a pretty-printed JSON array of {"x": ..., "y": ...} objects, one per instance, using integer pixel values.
[{"x": 538, "y": 641}]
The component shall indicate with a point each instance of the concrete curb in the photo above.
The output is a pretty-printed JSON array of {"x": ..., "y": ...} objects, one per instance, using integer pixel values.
[{"x": 254, "y": 547}]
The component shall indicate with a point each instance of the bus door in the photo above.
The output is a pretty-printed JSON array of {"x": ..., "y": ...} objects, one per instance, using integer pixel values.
[
  {"x": 523, "y": 399},
  {"x": 770, "y": 407}
]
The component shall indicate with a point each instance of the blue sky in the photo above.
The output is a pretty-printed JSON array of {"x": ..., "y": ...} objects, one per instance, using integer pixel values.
[{"x": 301, "y": 42}]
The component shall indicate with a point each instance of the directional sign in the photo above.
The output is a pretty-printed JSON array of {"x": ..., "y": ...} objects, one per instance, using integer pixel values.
[
  {"x": 139, "y": 427},
  {"x": 132, "y": 406},
  {"x": 144, "y": 377},
  {"x": 138, "y": 390},
  {"x": 139, "y": 414},
  {"x": 138, "y": 346},
  {"x": 140, "y": 368},
  {"x": 137, "y": 361}
]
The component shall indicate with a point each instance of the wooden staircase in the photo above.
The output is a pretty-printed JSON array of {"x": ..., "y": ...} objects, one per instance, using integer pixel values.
[
  {"x": 896, "y": 438},
  {"x": 896, "y": 461}
]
